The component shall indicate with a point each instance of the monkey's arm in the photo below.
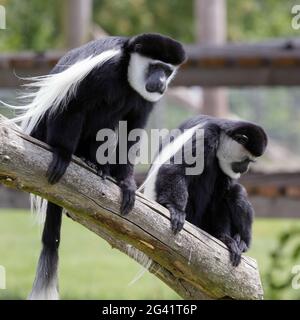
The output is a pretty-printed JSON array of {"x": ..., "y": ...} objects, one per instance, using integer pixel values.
[
  {"x": 124, "y": 172},
  {"x": 172, "y": 193},
  {"x": 242, "y": 214},
  {"x": 63, "y": 133}
]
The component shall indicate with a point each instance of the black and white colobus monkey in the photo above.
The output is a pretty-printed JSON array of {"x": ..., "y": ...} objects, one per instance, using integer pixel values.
[
  {"x": 212, "y": 200},
  {"x": 91, "y": 88}
]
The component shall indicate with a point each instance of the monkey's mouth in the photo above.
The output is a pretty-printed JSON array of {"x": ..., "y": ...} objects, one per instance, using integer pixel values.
[
  {"x": 154, "y": 88},
  {"x": 240, "y": 167}
]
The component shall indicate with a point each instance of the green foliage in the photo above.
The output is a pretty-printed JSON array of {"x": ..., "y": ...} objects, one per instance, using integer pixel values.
[
  {"x": 286, "y": 254},
  {"x": 129, "y": 17},
  {"x": 260, "y": 19},
  {"x": 275, "y": 246},
  {"x": 38, "y": 25},
  {"x": 31, "y": 24}
]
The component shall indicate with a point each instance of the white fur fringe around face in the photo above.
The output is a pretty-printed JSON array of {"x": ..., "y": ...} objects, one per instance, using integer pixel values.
[
  {"x": 230, "y": 151},
  {"x": 137, "y": 70}
]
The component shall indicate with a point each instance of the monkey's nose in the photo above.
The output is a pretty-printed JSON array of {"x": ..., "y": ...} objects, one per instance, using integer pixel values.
[
  {"x": 159, "y": 87},
  {"x": 240, "y": 167}
]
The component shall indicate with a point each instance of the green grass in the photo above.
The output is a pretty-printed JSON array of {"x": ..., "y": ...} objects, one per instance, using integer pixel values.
[
  {"x": 90, "y": 269},
  {"x": 266, "y": 234}
]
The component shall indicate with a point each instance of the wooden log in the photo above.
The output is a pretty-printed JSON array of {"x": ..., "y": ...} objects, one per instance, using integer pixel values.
[{"x": 192, "y": 263}]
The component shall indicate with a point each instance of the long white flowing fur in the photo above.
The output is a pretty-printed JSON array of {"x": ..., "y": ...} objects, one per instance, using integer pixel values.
[
  {"x": 55, "y": 90},
  {"x": 142, "y": 258},
  {"x": 38, "y": 207},
  {"x": 49, "y": 292},
  {"x": 168, "y": 152},
  {"x": 52, "y": 93}
]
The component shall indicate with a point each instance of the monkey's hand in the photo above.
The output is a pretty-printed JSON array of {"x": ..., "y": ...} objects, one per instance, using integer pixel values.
[
  {"x": 58, "y": 166},
  {"x": 128, "y": 188},
  {"x": 177, "y": 218},
  {"x": 234, "y": 250}
]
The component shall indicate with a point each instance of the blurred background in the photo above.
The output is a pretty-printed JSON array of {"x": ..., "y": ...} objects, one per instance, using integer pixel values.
[{"x": 244, "y": 62}]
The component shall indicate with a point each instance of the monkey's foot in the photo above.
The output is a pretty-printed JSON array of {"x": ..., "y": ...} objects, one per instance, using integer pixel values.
[
  {"x": 57, "y": 167},
  {"x": 128, "y": 197},
  {"x": 235, "y": 253}
]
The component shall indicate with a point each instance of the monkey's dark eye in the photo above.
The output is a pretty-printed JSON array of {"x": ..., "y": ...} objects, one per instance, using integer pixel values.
[
  {"x": 168, "y": 72},
  {"x": 241, "y": 139},
  {"x": 163, "y": 67},
  {"x": 137, "y": 47}
]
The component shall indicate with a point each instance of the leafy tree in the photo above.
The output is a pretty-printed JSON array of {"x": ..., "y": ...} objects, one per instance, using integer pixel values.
[
  {"x": 260, "y": 19},
  {"x": 31, "y": 25},
  {"x": 128, "y": 17},
  {"x": 37, "y": 25}
]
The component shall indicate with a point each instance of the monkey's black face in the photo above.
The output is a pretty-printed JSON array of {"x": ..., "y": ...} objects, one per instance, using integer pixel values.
[
  {"x": 234, "y": 158},
  {"x": 239, "y": 146},
  {"x": 242, "y": 166},
  {"x": 154, "y": 60},
  {"x": 150, "y": 78},
  {"x": 157, "y": 77}
]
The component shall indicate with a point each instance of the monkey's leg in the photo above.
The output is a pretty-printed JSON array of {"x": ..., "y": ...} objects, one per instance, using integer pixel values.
[
  {"x": 63, "y": 136},
  {"x": 123, "y": 173},
  {"x": 221, "y": 228}
]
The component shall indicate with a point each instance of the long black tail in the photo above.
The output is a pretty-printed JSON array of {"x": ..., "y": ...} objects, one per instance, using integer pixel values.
[{"x": 45, "y": 286}]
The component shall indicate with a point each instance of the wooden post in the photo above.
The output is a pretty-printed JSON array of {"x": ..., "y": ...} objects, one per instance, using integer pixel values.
[
  {"x": 77, "y": 15},
  {"x": 211, "y": 30}
]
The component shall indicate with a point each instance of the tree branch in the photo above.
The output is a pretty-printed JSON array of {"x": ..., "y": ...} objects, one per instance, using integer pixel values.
[{"x": 192, "y": 263}]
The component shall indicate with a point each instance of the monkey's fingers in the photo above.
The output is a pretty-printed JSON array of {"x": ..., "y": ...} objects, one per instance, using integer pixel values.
[
  {"x": 235, "y": 253},
  {"x": 241, "y": 243},
  {"x": 235, "y": 258},
  {"x": 128, "y": 199},
  {"x": 177, "y": 219},
  {"x": 243, "y": 246},
  {"x": 237, "y": 238}
]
